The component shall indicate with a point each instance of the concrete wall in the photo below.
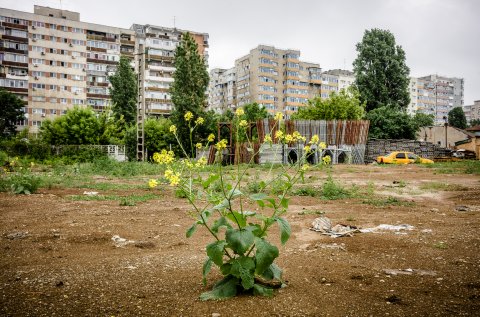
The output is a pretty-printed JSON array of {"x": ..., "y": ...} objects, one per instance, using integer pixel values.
[{"x": 436, "y": 135}]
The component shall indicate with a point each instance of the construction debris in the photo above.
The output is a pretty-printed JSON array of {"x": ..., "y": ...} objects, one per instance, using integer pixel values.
[{"x": 324, "y": 226}]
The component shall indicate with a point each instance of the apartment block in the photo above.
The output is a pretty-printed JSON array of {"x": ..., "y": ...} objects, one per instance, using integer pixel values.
[
  {"x": 335, "y": 80},
  {"x": 54, "y": 61},
  {"x": 276, "y": 79},
  {"x": 438, "y": 95},
  {"x": 472, "y": 112},
  {"x": 159, "y": 46},
  {"x": 222, "y": 90},
  {"x": 413, "y": 90}
]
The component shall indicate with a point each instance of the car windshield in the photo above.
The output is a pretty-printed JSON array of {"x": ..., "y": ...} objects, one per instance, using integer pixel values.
[{"x": 412, "y": 156}]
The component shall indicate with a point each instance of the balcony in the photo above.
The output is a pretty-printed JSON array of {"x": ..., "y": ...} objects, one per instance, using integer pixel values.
[
  {"x": 164, "y": 68},
  {"x": 15, "y": 38},
  {"x": 100, "y": 38},
  {"x": 15, "y": 26},
  {"x": 101, "y": 61},
  {"x": 161, "y": 79}
]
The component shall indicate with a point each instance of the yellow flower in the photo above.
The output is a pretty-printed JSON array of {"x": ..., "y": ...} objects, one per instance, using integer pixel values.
[
  {"x": 168, "y": 173},
  {"x": 152, "y": 183},
  {"x": 174, "y": 179},
  {"x": 307, "y": 149},
  {"x": 268, "y": 138},
  {"x": 305, "y": 167},
  {"x": 188, "y": 116},
  {"x": 32, "y": 164},
  {"x": 288, "y": 138},
  {"x": 221, "y": 145},
  {"x": 201, "y": 162},
  {"x": 322, "y": 145},
  {"x": 211, "y": 137},
  {"x": 243, "y": 123},
  {"x": 279, "y": 134},
  {"x": 239, "y": 112},
  {"x": 278, "y": 116},
  {"x": 314, "y": 139},
  {"x": 199, "y": 121},
  {"x": 173, "y": 129},
  {"x": 199, "y": 145},
  {"x": 327, "y": 159},
  {"x": 163, "y": 157},
  {"x": 188, "y": 163}
]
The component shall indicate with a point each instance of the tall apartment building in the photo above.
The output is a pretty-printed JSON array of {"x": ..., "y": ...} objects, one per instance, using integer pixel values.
[
  {"x": 413, "y": 90},
  {"x": 160, "y": 44},
  {"x": 222, "y": 90},
  {"x": 53, "y": 61},
  {"x": 276, "y": 79},
  {"x": 438, "y": 95},
  {"x": 472, "y": 112},
  {"x": 334, "y": 80}
]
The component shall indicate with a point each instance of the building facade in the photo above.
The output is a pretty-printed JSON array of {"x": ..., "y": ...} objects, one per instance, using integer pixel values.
[
  {"x": 437, "y": 95},
  {"x": 159, "y": 47},
  {"x": 472, "y": 112},
  {"x": 54, "y": 61},
  {"x": 222, "y": 90}
]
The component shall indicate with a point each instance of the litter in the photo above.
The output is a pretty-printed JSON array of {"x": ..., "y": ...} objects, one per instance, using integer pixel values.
[
  {"x": 90, "y": 193},
  {"x": 324, "y": 226},
  {"x": 120, "y": 242},
  {"x": 408, "y": 272}
]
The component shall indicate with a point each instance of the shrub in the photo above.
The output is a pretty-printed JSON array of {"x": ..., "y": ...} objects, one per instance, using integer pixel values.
[{"x": 20, "y": 183}]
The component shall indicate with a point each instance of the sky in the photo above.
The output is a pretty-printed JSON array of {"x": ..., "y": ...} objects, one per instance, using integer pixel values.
[{"x": 439, "y": 36}]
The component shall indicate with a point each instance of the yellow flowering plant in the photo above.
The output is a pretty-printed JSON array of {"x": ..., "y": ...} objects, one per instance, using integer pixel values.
[{"x": 240, "y": 231}]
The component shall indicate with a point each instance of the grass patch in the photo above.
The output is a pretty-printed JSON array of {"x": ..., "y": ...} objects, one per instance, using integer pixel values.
[
  {"x": 130, "y": 199},
  {"x": 436, "y": 186},
  {"x": 311, "y": 212},
  {"x": 389, "y": 201},
  {"x": 305, "y": 191},
  {"x": 332, "y": 190},
  {"x": 460, "y": 167}
]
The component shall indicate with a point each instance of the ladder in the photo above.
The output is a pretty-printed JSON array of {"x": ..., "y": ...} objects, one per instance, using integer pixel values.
[{"x": 141, "y": 104}]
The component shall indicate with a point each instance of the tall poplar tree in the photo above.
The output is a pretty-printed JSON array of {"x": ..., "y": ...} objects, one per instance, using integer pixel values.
[
  {"x": 188, "y": 88},
  {"x": 381, "y": 75},
  {"x": 10, "y": 112},
  {"x": 124, "y": 91}
]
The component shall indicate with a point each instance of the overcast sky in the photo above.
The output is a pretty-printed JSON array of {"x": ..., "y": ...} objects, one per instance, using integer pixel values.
[{"x": 439, "y": 36}]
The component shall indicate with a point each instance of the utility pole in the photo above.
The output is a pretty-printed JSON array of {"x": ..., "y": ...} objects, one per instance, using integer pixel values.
[{"x": 141, "y": 104}]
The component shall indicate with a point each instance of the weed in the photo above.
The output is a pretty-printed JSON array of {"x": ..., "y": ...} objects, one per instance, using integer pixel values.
[
  {"x": 311, "y": 212},
  {"x": 332, "y": 190},
  {"x": 22, "y": 183},
  {"x": 436, "y": 186},
  {"x": 130, "y": 198},
  {"x": 389, "y": 201},
  {"x": 126, "y": 201},
  {"x": 305, "y": 191}
]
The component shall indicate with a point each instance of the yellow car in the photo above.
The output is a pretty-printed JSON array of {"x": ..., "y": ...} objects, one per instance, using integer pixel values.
[{"x": 401, "y": 157}]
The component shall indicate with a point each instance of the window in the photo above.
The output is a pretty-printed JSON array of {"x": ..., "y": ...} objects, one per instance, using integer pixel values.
[
  {"x": 52, "y": 100},
  {"x": 412, "y": 156},
  {"x": 63, "y": 100},
  {"x": 400, "y": 156},
  {"x": 37, "y": 123}
]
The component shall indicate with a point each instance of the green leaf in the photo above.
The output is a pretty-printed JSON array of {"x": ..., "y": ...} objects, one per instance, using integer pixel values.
[
  {"x": 262, "y": 290},
  {"x": 221, "y": 206},
  {"x": 285, "y": 230},
  {"x": 265, "y": 255},
  {"x": 258, "y": 196},
  {"x": 243, "y": 268},
  {"x": 225, "y": 269},
  {"x": 272, "y": 272},
  {"x": 225, "y": 288},
  {"x": 233, "y": 194},
  {"x": 206, "y": 269},
  {"x": 215, "y": 251},
  {"x": 191, "y": 230},
  {"x": 236, "y": 217},
  {"x": 220, "y": 222},
  {"x": 256, "y": 230},
  {"x": 239, "y": 240},
  {"x": 284, "y": 202},
  {"x": 209, "y": 180}
]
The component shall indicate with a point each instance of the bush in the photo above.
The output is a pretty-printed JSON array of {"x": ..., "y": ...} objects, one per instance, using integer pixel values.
[
  {"x": 20, "y": 183},
  {"x": 331, "y": 190}
]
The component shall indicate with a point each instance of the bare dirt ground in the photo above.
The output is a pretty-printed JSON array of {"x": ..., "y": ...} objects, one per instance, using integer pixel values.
[{"x": 58, "y": 259}]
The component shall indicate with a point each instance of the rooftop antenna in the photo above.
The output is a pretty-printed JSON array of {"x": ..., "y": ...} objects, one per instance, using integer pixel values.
[
  {"x": 174, "y": 22},
  {"x": 61, "y": 7}
]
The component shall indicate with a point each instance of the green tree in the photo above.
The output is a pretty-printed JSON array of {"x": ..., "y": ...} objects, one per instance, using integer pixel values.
[
  {"x": 390, "y": 123},
  {"x": 381, "y": 75},
  {"x": 113, "y": 130},
  {"x": 188, "y": 88},
  {"x": 158, "y": 136},
  {"x": 423, "y": 120},
  {"x": 456, "y": 118},
  {"x": 254, "y": 112},
  {"x": 345, "y": 105},
  {"x": 474, "y": 122},
  {"x": 124, "y": 91},
  {"x": 79, "y": 126},
  {"x": 10, "y": 112}
]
